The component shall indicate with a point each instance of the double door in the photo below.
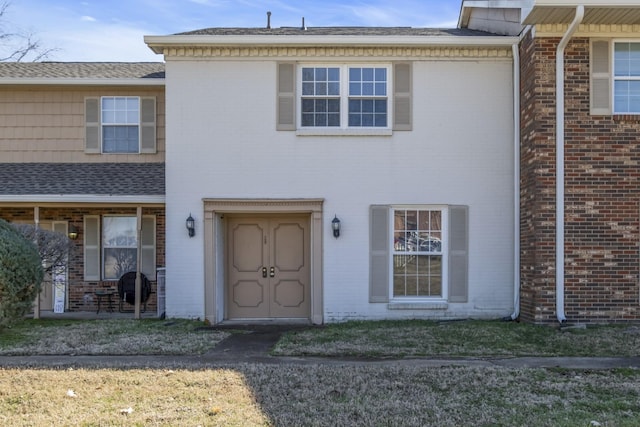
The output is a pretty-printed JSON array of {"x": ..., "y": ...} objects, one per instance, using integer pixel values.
[{"x": 268, "y": 271}]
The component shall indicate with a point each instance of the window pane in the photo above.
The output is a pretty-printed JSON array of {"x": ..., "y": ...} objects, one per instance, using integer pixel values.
[
  {"x": 120, "y": 139},
  {"x": 307, "y": 74},
  {"x": 321, "y": 89},
  {"x": 333, "y": 105},
  {"x": 354, "y": 89},
  {"x": 307, "y": 88},
  {"x": 381, "y": 74},
  {"x": 417, "y": 261},
  {"x": 333, "y": 74},
  {"x": 321, "y": 74},
  {"x": 333, "y": 120},
  {"x": 118, "y": 261},
  {"x": 334, "y": 88},
  {"x": 367, "y": 74},
  {"x": 381, "y": 89},
  {"x": 119, "y": 241},
  {"x": 119, "y": 231},
  {"x": 355, "y": 74}
]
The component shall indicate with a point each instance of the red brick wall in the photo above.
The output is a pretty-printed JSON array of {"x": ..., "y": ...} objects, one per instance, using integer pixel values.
[
  {"x": 602, "y": 156},
  {"x": 81, "y": 293}
]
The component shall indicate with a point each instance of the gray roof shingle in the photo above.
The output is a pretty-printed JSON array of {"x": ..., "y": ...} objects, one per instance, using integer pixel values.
[
  {"x": 121, "y": 179},
  {"x": 83, "y": 70},
  {"x": 337, "y": 31}
]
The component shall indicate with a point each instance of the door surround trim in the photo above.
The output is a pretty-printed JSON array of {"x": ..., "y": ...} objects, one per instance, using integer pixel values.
[{"x": 214, "y": 209}]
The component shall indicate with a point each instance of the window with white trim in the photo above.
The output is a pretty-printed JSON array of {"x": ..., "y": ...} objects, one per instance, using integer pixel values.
[
  {"x": 120, "y": 124},
  {"x": 626, "y": 78},
  {"x": 345, "y": 96},
  {"x": 418, "y": 255}
]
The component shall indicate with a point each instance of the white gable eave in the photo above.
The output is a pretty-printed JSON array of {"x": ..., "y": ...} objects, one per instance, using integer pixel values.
[{"x": 159, "y": 43}]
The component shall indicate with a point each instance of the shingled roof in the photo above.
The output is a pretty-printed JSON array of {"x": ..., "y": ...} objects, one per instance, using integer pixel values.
[
  {"x": 112, "y": 179},
  {"x": 82, "y": 70},
  {"x": 337, "y": 31}
]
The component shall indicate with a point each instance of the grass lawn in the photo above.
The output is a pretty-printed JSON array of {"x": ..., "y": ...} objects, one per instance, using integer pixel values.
[
  {"x": 333, "y": 394},
  {"x": 320, "y": 395},
  {"x": 458, "y": 338},
  {"x": 116, "y": 337}
]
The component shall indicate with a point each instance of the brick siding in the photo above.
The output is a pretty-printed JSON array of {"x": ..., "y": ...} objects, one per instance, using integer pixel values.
[
  {"x": 81, "y": 293},
  {"x": 601, "y": 194}
]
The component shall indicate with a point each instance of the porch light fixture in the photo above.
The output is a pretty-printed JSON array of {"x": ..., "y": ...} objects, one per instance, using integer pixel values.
[
  {"x": 191, "y": 226},
  {"x": 73, "y": 232},
  {"x": 335, "y": 225}
]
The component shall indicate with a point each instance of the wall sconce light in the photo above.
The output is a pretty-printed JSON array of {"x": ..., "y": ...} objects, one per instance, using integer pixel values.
[
  {"x": 73, "y": 232},
  {"x": 335, "y": 225},
  {"x": 191, "y": 226}
]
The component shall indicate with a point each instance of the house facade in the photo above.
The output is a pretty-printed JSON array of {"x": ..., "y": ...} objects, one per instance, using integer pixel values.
[
  {"x": 404, "y": 136},
  {"x": 351, "y": 173},
  {"x": 82, "y": 152}
]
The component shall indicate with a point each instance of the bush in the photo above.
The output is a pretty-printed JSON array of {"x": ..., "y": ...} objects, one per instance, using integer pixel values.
[{"x": 20, "y": 274}]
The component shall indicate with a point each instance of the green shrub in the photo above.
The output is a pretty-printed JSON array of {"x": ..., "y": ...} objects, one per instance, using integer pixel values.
[{"x": 20, "y": 274}]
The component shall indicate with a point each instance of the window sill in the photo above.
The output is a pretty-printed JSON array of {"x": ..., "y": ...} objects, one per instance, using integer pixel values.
[
  {"x": 418, "y": 305},
  {"x": 344, "y": 132}
]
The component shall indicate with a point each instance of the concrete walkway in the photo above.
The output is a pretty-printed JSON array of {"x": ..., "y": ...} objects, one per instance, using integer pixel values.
[{"x": 254, "y": 346}]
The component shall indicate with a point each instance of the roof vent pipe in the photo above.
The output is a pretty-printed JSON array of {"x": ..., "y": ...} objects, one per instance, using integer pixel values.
[
  {"x": 268, "y": 20},
  {"x": 560, "y": 161},
  {"x": 304, "y": 27}
]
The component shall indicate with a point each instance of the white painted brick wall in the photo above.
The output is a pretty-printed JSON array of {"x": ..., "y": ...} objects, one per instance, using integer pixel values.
[{"x": 221, "y": 142}]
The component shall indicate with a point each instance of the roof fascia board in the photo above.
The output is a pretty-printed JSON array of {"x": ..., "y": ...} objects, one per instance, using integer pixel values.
[
  {"x": 81, "y": 198},
  {"x": 80, "y": 81},
  {"x": 158, "y": 43}
]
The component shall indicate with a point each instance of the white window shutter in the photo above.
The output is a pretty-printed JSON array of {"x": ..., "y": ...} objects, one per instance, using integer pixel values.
[
  {"x": 402, "y": 102},
  {"x": 92, "y": 125},
  {"x": 92, "y": 247},
  {"x": 601, "y": 77},
  {"x": 458, "y": 253},
  {"x": 286, "y": 103},
  {"x": 148, "y": 125},
  {"x": 379, "y": 252},
  {"x": 148, "y": 243}
]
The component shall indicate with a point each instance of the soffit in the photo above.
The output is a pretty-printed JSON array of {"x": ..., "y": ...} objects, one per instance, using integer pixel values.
[{"x": 594, "y": 15}]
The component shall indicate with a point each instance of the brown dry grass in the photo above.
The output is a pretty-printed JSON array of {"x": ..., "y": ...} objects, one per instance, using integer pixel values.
[{"x": 319, "y": 395}]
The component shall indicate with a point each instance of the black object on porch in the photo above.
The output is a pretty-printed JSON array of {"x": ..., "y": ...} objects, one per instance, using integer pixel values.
[{"x": 127, "y": 290}]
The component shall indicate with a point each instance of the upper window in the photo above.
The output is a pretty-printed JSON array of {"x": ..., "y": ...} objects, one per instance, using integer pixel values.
[
  {"x": 418, "y": 253},
  {"x": 120, "y": 124},
  {"x": 344, "y": 97},
  {"x": 626, "y": 77}
]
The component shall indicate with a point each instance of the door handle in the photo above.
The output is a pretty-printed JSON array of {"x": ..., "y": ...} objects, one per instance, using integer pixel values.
[
  {"x": 264, "y": 271},
  {"x": 272, "y": 272}
]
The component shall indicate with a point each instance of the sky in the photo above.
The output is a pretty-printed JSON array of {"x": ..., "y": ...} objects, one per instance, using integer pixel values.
[{"x": 113, "y": 30}]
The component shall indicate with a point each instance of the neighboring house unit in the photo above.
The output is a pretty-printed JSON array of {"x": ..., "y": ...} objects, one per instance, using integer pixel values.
[
  {"x": 580, "y": 235},
  {"x": 352, "y": 173},
  {"x": 81, "y": 149}
]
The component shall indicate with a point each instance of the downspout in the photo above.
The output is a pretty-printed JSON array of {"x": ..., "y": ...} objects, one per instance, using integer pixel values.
[
  {"x": 573, "y": 27},
  {"x": 516, "y": 181}
]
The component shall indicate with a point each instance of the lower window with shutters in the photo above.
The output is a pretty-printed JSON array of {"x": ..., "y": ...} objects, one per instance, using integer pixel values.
[
  {"x": 418, "y": 253},
  {"x": 110, "y": 247}
]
